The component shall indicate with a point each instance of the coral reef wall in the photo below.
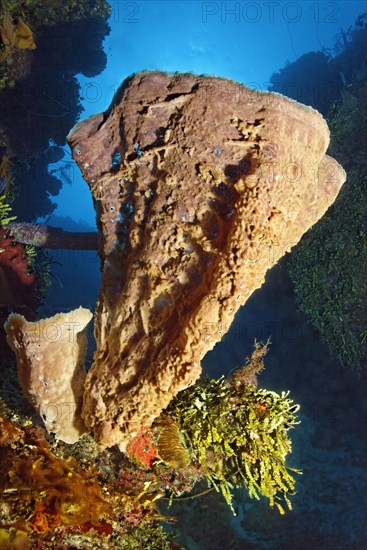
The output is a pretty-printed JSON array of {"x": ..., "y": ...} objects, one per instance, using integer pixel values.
[{"x": 39, "y": 91}]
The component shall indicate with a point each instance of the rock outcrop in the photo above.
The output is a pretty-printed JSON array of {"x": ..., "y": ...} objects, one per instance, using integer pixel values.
[{"x": 200, "y": 186}]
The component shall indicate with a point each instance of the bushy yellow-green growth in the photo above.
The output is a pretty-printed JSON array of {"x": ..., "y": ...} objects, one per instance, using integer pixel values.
[
  {"x": 239, "y": 437},
  {"x": 5, "y": 211},
  {"x": 39, "y": 261}
]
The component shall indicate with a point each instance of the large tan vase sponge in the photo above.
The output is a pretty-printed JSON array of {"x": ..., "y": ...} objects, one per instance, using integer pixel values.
[{"x": 200, "y": 186}]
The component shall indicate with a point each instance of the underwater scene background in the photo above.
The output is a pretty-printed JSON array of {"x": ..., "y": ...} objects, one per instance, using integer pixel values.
[{"x": 232, "y": 462}]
